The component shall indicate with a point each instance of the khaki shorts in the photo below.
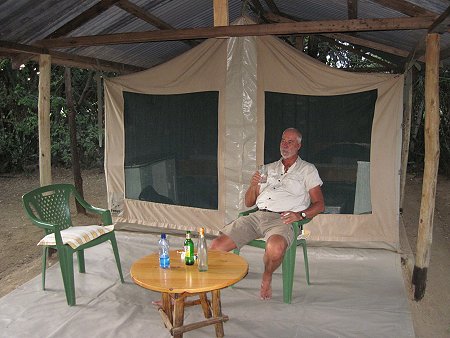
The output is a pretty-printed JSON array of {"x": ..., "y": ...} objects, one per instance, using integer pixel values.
[{"x": 256, "y": 225}]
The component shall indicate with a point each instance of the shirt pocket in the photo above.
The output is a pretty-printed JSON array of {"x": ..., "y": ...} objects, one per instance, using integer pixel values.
[
  {"x": 273, "y": 179},
  {"x": 294, "y": 184}
]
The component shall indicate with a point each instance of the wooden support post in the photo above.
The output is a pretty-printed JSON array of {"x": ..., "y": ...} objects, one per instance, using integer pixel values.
[
  {"x": 406, "y": 132},
  {"x": 98, "y": 80},
  {"x": 220, "y": 13},
  {"x": 45, "y": 166},
  {"x": 300, "y": 42},
  {"x": 431, "y": 136},
  {"x": 76, "y": 168}
]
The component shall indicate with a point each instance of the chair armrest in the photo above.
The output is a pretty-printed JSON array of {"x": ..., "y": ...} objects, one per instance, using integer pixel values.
[
  {"x": 247, "y": 212},
  {"x": 298, "y": 225},
  {"x": 104, "y": 213},
  {"x": 43, "y": 225}
]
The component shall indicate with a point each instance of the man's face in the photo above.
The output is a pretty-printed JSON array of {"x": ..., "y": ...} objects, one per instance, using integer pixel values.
[{"x": 289, "y": 145}]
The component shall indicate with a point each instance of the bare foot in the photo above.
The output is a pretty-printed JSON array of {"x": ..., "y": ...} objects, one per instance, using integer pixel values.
[
  {"x": 266, "y": 290},
  {"x": 157, "y": 303}
]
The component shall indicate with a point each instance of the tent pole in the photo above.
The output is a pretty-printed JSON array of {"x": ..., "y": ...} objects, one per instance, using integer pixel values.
[
  {"x": 45, "y": 168},
  {"x": 431, "y": 136},
  {"x": 406, "y": 126}
]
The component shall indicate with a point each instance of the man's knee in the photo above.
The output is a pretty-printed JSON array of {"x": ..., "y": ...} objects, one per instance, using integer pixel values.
[
  {"x": 276, "y": 247},
  {"x": 222, "y": 243}
]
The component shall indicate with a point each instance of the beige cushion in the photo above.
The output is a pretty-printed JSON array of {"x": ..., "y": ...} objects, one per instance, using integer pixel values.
[
  {"x": 79, "y": 235},
  {"x": 304, "y": 234}
]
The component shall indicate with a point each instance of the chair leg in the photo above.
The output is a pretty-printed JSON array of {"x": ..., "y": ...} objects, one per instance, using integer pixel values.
[
  {"x": 116, "y": 255},
  {"x": 66, "y": 263},
  {"x": 44, "y": 265},
  {"x": 81, "y": 265},
  {"x": 288, "y": 268},
  {"x": 305, "y": 258}
]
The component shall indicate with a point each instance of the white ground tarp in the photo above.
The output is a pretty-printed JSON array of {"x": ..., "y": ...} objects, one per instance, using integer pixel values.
[
  {"x": 242, "y": 70},
  {"x": 354, "y": 293}
]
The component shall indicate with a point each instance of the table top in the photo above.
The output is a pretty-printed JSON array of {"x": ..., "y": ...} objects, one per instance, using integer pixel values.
[{"x": 224, "y": 269}]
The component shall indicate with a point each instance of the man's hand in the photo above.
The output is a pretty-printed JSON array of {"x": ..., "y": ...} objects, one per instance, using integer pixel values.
[
  {"x": 253, "y": 190},
  {"x": 255, "y": 179},
  {"x": 290, "y": 216}
]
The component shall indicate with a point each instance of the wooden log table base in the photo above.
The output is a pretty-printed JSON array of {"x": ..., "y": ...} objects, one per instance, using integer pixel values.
[
  {"x": 172, "y": 312},
  {"x": 181, "y": 281}
]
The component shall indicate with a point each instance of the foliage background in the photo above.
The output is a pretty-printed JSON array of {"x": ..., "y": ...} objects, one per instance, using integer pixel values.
[{"x": 19, "y": 141}]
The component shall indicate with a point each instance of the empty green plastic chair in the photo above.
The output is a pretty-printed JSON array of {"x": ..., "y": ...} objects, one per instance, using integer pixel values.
[
  {"x": 288, "y": 264},
  {"x": 48, "y": 207}
]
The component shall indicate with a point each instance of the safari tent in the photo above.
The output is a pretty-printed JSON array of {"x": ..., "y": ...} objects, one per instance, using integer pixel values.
[{"x": 234, "y": 97}]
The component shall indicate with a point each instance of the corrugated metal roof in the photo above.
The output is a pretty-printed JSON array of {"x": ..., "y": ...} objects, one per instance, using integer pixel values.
[{"x": 27, "y": 21}]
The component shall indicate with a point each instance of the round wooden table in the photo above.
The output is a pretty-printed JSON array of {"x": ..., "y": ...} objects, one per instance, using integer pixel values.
[{"x": 181, "y": 281}]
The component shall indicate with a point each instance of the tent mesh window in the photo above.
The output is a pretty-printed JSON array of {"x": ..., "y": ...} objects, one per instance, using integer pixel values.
[
  {"x": 171, "y": 148},
  {"x": 336, "y": 139}
]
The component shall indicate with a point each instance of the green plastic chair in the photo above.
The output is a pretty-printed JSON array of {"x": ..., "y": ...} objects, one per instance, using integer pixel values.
[
  {"x": 288, "y": 264},
  {"x": 48, "y": 207}
]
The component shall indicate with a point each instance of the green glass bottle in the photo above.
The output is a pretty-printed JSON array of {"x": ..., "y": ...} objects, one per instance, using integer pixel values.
[{"x": 189, "y": 249}]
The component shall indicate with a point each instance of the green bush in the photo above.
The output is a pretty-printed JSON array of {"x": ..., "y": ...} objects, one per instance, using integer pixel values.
[{"x": 19, "y": 143}]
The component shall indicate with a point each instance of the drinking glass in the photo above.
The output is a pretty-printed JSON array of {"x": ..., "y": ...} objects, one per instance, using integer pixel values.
[{"x": 263, "y": 172}]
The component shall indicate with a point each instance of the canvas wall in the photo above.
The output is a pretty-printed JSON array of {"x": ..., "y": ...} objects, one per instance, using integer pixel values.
[{"x": 242, "y": 70}]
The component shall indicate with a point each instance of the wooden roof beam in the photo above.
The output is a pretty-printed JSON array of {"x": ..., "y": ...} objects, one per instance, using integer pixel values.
[
  {"x": 440, "y": 25},
  {"x": 13, "y": 49},
  {"x": 352, "y": 9},
  {"x": 346, "y": 37},
  {"x": 81, "y": 19},
  {"x": 144, "y": 15},
  {"x": 355, "y": 25},
  {"x": 257, "y": 7},
  {"x": 405, "y": 7},
  {"x": 273, "y": 7}
]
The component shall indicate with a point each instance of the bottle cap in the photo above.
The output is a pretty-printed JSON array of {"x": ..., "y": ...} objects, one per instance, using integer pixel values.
[
  {"x": 163, "y": 236},
  {"x": 201, "y": 231}
]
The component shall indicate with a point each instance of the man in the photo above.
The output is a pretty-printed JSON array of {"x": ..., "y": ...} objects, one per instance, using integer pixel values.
[{"x": 292, "y": 192}]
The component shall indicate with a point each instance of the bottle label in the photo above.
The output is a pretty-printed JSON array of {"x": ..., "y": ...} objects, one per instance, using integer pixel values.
[
  {"x": 164, "y": 262},
  {"x": 187, "y": 251}
]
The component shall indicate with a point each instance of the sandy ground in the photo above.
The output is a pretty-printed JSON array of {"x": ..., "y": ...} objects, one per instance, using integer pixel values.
[{"x": 20, "y": 257}]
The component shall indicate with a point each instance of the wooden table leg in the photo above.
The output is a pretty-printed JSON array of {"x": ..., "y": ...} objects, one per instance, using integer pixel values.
[
  {"x": 167, "y": 306},
  {"x": 178, "y": 314},
  {"x": 205, "y": 305},
  {"x": 217, "y": 312}
]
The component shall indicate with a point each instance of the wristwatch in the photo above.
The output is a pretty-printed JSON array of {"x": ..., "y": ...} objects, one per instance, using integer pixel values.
[{"x": 303, "y": 214}]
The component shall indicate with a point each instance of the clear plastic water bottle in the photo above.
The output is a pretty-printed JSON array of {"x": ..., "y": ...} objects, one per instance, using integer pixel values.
[
  {"x": 202, "y": 251},
  {"x": 164, "y": 259}
]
